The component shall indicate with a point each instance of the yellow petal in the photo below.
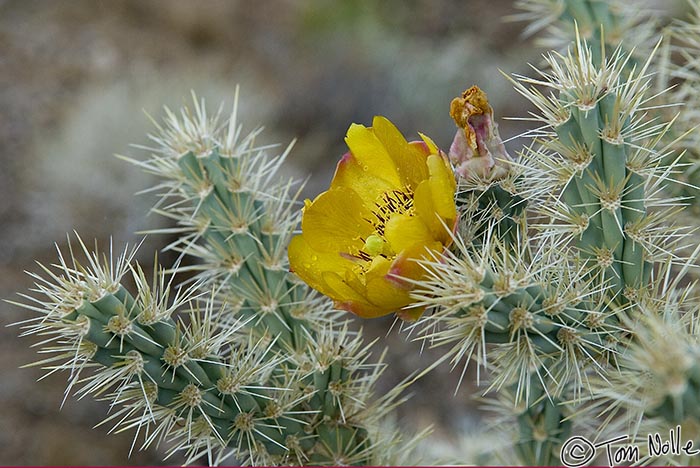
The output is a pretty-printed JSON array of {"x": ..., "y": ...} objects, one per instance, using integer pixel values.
[
  {"x": 378, "y": 268},
  {"x": 386, "y": 298},
  {"x": 432, "y": 147},
  {"x": 425, "y": 209},
  {"x": 406, "y": 267},
  {"x": 408, "y": 159},
  {"x": 336, "y": 221},
  {"x": 370, "y": 152},
  {"x": 381, "y": 290},
  {"x": 403, "y": 231},
  {"x": 362, "y": 309},
  {"x": 342, "y": 289},
  {"x": 366, "y": 182},
  {"x": 347, "y": 297},
  {"x": 309, "y": 264},
  {"x": 442, "y": 186}
]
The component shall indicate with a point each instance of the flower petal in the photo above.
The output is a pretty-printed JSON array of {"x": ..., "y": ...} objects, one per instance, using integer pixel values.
[
  {"x": 370, "y": 152},
  {"x": 361, "y": 309},
  {"x": 382, "y": 291},
  {"x": 336, "y": 220},
  {"x": 343, "y": 289},
  {"x": 442, "y": 185},
  {"x": 309, "y": 264},
  {"x": 425, "y": 209},
  {"x": 406, "y": 264},
  {"x": 403, "y": 231},
  {"x": 432, "y": 147},
  {"x": 369, "y": 185},
  {"x": 350, "y": 299},
  {"x": 408, "y": 159}
]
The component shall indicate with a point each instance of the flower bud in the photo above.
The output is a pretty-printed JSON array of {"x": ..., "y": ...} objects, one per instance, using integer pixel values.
[{"x": 477, "y": 150}]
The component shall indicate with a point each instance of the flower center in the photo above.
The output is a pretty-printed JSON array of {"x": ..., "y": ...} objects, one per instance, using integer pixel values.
[
  {"x": 390, "y": 203},
  {"x": 375, "y": 245}
]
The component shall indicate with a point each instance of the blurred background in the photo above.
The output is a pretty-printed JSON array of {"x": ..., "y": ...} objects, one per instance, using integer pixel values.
[{"x": 78, "y": 79}]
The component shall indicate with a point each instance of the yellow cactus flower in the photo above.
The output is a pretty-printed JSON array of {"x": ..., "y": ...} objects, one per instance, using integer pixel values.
[{"x": 390, "y": 203}]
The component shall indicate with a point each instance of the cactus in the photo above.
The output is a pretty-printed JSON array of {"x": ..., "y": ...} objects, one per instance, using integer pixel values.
[
  {"x": 680, "y": 72},
  {"x": 245, "y": 363},
  {"x": 605, "y": 24},
  {"x": 549, "y": 306}
]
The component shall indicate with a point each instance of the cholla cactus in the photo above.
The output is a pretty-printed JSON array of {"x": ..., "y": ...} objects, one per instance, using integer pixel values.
[
  {"x": 246, "y": 363},
  {"x": 548, "y": 306},
  {"x": 685, "y": 37},
  {"x": 656, "y": 390},
  {"x": 608, "y": 23},
  {"x": 637, "y": 29},
  {"x": 680, "y": 71}
]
